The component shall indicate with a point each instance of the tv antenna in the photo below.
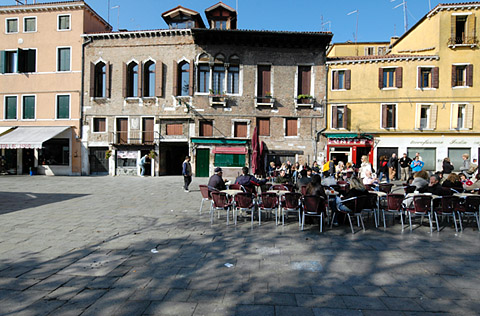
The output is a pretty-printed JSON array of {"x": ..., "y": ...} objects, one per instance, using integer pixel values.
[
  {"x": 356, "y": 30},
  {"x": 405, "y": 18},
  {"x": 329, "y": 23}
]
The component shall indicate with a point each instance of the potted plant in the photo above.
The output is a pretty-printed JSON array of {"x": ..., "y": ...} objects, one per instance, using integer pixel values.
[
  {"x": 217, "y": 98},
  {"x": 108, "y": 154},
  {"x": 152, "y": 154},
  {"x": 304, "y": 99}
]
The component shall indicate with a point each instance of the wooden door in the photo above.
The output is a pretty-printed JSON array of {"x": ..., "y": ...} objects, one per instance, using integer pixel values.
[
  {"x": 202, "y": 163},
  {"x": 147, "y": 131},
  {"x": 122, "y": 130}
]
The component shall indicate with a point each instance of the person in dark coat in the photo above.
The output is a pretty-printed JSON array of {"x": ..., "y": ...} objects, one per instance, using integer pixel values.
[
  {"x": 216, "y": 182},
  {"x": 405, "y": 162},
  {"x": 315, "y": 187},
  {"x": 434, "y": 186},
  {"x": 452, "y": 181},
  {"x": 447, "y": 166},
  {"x": 383, "y": 169},
  {"x": 304, "y": 179},
  {"x": 247, "y": 180}
]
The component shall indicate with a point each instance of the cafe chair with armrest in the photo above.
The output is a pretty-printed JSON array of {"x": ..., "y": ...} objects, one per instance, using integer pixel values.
[
  {"x": 244, "y": 202},
  {"x": 220, "y": 203},
  {"x": 470, "y": 209},
  {"x": 422, "y": 206},
  {"x": 291, "y": 203},
  {"x": 314, "y": 205},
  {"x": 448, "y": 206},
  {"x": 394, "y": 206},
  {"x": 268, "y": 203},
  {"x": 355, "y": 205},
  {"x": 205, "y": 195}
]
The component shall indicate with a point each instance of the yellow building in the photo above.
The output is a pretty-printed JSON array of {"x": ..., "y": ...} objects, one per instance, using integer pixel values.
[
  {"x": 422, "y": 96},
  {"x": 41, "y": 85},
  {"x": 359, "y": 49}
]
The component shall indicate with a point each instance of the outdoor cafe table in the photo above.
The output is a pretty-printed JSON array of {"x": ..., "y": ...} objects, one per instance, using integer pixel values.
[
  {"x": 279, "y": 193},
  {"x": 380, "y": 195},
  {"x": 464, "y": 195},
  {"x": 331, "y": 194},
  {"x": 231, "y": 192}
]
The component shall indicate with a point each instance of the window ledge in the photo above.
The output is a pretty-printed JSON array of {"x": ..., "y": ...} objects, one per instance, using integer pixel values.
[
  {"x": 217, "y": 100},
  {"x": 264, "y": 101},
  {"x": 99, "y": 99},
  {"x": 426, "y": 89},
  {"x": 453, "y": 46},
  {"x": 339, "y": 90},
  {"x": 461, "y": 87},
  {"x": 388, "y": 128},
  {"x": 389, "y": 88}
]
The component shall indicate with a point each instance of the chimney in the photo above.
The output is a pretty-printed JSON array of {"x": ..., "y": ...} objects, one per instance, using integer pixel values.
[{"x": 393, "y": 39}]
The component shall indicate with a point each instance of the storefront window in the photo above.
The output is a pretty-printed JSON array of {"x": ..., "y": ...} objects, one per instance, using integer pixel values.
[
  {"x": 55, "y": 152},
  {"x": 428, "y": 157},
  {"x": 455, "y": 155},
  {"x": 229, "y": 160},
  {"x": 127, "y": 158}
]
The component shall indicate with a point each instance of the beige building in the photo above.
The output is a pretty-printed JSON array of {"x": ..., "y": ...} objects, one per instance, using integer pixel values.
[
  {"x": 41, "y": 85},
  {"x": 201, "y": 91}
]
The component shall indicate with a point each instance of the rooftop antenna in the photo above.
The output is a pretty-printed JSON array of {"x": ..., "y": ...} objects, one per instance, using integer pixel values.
[
  {"x": 429, "y": 5},
  {"x": 405, "y": 19},
  {"x": 329, "y": 23},
  {"x": 20, "y": 2},
  {"x": 118, "y": 15},
  {"x": 356, "y": 30},
  {"x": 108, "y": 11}
]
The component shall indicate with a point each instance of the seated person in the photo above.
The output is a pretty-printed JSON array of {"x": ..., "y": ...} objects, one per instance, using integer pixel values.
[
  {"x": 247, "y": 180},
  {"x": 474, "y": 185},
  {"x": 452, "y": 181},
  {"x": 304, "y": 179},
  {"x": 282, "y": 178},
  {"x": 420, "y": 181},
  {"x": 370, "y": 179},
  {"x": 216, "y": 183},
  {"x": 434, "y": 186},
  {"x": 328, "y": 179},
  {"x": 315, "y": 187},
  {"x": 356, "y": 189}
]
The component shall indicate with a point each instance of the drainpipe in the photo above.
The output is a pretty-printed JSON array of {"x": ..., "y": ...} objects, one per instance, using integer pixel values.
[{"x": 82, "y": 101}]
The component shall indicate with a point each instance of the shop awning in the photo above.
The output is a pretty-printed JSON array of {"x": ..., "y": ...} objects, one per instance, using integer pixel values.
[
  {"x": 348, "y": 135},
  {"x": 4, "y": 129},
  {"x": 30, "y": 136},
  {"x": 230, "y": 150},
  {"x": 217, "y": 141}
]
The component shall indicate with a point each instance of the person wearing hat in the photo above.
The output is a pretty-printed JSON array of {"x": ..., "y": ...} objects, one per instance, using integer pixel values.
[{"x": 216, "y": 182}]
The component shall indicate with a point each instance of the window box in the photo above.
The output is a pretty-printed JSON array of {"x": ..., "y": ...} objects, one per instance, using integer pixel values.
[
  {"x": 217, "y": 99},
  {"x": 305, "y": 101},
  {"x": 265, "y": 101}
]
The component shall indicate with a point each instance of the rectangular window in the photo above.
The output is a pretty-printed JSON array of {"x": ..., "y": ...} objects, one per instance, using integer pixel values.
[
  {"x": 462, "y": 75},
  {"x": 148, "y": 134},
  {"x": 369, "y": 50},
  {"x": 426, "y": 116},
  {"x": 339, "y": 116},
  {"x": 388, "y": 115},
  {"x": 304, "y": 80},
  {"x": 12, "y": 25},
  {"x": 222, "y": 25},
  {"x": 229, "y": 160},
  {"x": 218, "y": 84},
  {"x": 64, "y": 22},
  {"x": 28, "y": 110},
  {"x": 462, "y": 116},
  {"x": 122, "y": 130},
  {"x": 63, "y": 106},
  {"x": 11, "y": 108},
  {"x": 240, "y": 129},
  {"x": 463, "y": 29},
  {"x": 291, "y": 127},
  {"x": 55, "y": 151},
  {"x": 341, "y": 79},
  {"x": 460, "y": 72},
  {"x": 8, "y": 62},
  {"x": 99, "y": 124},
  {"x": 206, "y": 128},
  {"x": 174, "y": 129},
  {"x": 63, "y": 61},
  {"x": 233, "y": 79},
  {"x": 425, "y": 76},
  {"x": 382, "y": 50},
  {"x": 264, "y": 88},
  {"x": 455, "y": 155},
  {"x": 29, "y": 24},
  {"x": 388, "y": 78},
  {"x": 428, "y": 156},
  {"x": 203, "y": 78},
  {"x": 26, "y": 60},
  {"x": 263, "y": 126},
  {"x": 428, "y": 77}
]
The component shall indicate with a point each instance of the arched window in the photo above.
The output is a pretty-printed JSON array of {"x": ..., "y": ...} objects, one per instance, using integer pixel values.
[
  {"x": 100, "y": 80},
  {"x": 218, "y": 75},
  {"x": 203, "y": 73},
  {"x": 132, "y": 80},
  {"x": 149, "y": 79},
  {"x": 183, "y": 85}
]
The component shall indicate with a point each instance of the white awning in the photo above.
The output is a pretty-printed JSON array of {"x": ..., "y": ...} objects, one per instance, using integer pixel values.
[
  {"x": 3, "y": 129},
  {"x": 30, "y": 136}
]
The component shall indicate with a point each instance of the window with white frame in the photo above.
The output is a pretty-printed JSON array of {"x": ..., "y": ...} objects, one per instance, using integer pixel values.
[
  {"x": 28, "y": 107},
  {"x": 369, "y": 50},
  {"x": 63, "y": 59},
  {"x": 11, "y": 25},
  {"x": 149, "y": 74},
  {"x": 63, "y": 107},
  {"x": 462, "y": 75},
  {"x": 99, "y": 124},
  {"x": 426, "y": 116},
  {"x": 218, "y": 76},
  {"x": 29, "y": 24},
  {"x": 428, "y": 77},
  {"x": 462, "y": 116},
  {"x": 339, "y": 116},
  {"x": 20, "y": 60},
  {"x": 10, "y": 109},
  {"x": 341, "y": 79},
  {"x": 132, "y": 80},
  {"x": 64, "y": 22},
  {"x": 389, "y": 115},
  {"x": 304, "y": 84},
  {"x": 390, "y": 77}
]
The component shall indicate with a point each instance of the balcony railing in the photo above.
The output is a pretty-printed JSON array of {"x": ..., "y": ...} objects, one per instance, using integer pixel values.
[
  {"x": 134, "y": 138},
  {"x": 220, "y": 100},
  {"x": 305, "y": 102},
  {"x": 464, "y": 40}
]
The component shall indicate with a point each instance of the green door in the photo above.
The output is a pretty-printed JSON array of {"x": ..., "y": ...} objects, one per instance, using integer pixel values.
[{"x": 202, "y": 162}]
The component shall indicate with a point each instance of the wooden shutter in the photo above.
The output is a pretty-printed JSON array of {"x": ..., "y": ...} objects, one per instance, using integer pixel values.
[
  {"x": 399, "y": 77},
  {"x": 380, "y": 78},
  {"x": 335, "y": 80},
  {"x": 31, "y": 60},
  {"x": 394, "y": 116},
  {"x": 174, "y": 129},
  {"x": 175, "y": 76},
  {"x": 264, "y": 80},
  {"x": 384, "y": 115},
  {"x": 3, "y": 62},
  {"x": 92, "y": 80},
  {"x": 469, "y": 75},
  {"x": 469, "y": 116},
  {"x": 345, "y": 117},
  {"x": 418, "y": 116},
  {"x": 433, "y": 117},
  {"x": 454, "y": 118},
  {"x": 348, "y": 79},
  {"x": 263, "y": 126},
  {"x": 435, "y": 78},
  {"x": 453, "y": 28},
  {"x": 304, "y": 80},
  {"x": 124, "y": 80},
  {"x": 419, "y": 85},
  {"x": 108, "y": 71},
  {"x": 122, "y": 130},
  {"x": 148, "y": 134},
  {"x": 240, "y": 129},
  {"x": 291, "y": 125},
  {"x": 159, "y": 79},
  {"x": 334, "y": 117},
  {"x": 102, "y": 125},
  {"x": 206, "y": 128},
  {"x": 21, "y": 60},
  {"x": 190, "y": 79},
  {"x": 454, "y": 75},
  {"x": 470, "y": 29},
  {"x": 140, "y": 79}
]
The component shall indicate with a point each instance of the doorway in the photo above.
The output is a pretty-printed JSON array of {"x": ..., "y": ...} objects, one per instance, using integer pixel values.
[
  {"x": 387, "y": 151},
  {"x": 172, "y": 156},
  {"x": 28, "y": 161},
  {"x": 202, "y": 162},
  {"x": 98, "y": 163},
  {"x": 148, "y": 162}
]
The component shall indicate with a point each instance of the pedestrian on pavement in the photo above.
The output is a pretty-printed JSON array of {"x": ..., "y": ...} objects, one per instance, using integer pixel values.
[
  {"x": 141, "y": 164},
  {"x": 383, "y": 169},
  {"x": 393, "y": 166},
  {"x": 417, "y": 164},
  {"x": 419, "y": 157},
  {"x": 405, "y": 162},
  {"x": 365, "y": 166},
  {"x": 187, "y": 173}
]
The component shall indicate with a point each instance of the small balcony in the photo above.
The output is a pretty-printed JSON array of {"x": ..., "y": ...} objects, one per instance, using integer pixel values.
[
  {"x": 217, "y": 100},
  {"x": 134, "y": 138},
  {"x": 268, "y": 101},
  {"x": 305, "y": 101},
  {"x": 471, "y": 41}
]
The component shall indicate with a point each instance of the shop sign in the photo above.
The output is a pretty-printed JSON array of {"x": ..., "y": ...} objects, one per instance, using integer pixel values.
[
  {"x": 125, "y": 154},
  {"x": 348, "y": 141},
  {"x": 18, "y": 146}
]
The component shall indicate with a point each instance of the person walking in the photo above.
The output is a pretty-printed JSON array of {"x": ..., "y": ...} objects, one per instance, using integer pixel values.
[
  {"x": 141, "y": 164},
  {"x": 405, "y": 162},
  {"x": 383, "y": 169},
  {"x": 393, "y": 166},
  {"x": 365, "y": 165},
  {"x": 187, "y": 173}
]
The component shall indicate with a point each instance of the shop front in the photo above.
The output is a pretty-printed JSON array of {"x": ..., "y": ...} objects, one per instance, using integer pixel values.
[{"x": 349, "y": 147}]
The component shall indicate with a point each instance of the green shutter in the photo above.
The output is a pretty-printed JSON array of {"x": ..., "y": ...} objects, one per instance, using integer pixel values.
[
  {"x": 21, "y": 60},
  {"x": 31, "y": 61},
  {"x": 63, "y": 107},
  {"x": 11, "y": 108},
  {"x": 229, "y": 160},
  {"x": 3, "y": 62},
  {"x": 28, "y": 107},
  {"x": 64, "y": 59}
]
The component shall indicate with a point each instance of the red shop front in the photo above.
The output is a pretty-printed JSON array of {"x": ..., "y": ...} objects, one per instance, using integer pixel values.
[{"x": 350, "y": 148}]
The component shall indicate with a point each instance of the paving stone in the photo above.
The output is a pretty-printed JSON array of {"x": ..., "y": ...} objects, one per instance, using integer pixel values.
[
  {"x": 401, "y": 304},
  {"x": 366, "y": 290},
  {"x": 206, "y": 309},
  {"x": 275, "y": 299},
  {"x": 177, "y": 295},
  {"x": 400, "y": 291},
  {"x": 205, "y": 295},
  {"x": 171, "y": 308},
  {"x": 255, "y": 310},
  {"x": 336, "y": 312},
  {"x": 363, "y": 302},
  {"x": 132, "y": 308},
  {"x": 331, "y": 301},
  {"x": 293, "y": 310}
]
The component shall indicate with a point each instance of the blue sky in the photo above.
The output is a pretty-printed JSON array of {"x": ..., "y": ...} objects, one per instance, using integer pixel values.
[{"x": 377, "y": 19}]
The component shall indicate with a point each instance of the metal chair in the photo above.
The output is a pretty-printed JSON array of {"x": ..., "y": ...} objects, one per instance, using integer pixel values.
[
  {"x": 447, "y": 207},
  {"x": 422, "y": 206},
  {"x": 236, "y": 186},
  {"x": 314, "y": 206},
  {"x": 220, "y": 203},
  {"x": 280, "y": 187},
  {"x": 244, "y": 202},
  {"x": 291, "y": 203},
  {"x": 205, "y": 195},
  {"x": 385, "y": 187},
  {"x": 268, "y": 203},
  {"x": 394, "y": 206},
  {"x": 471, "y": 208},
  {"x": 372, "y": 205},
  {"x": 303, "y": 189},
  {"x": 355, "y": 205}
]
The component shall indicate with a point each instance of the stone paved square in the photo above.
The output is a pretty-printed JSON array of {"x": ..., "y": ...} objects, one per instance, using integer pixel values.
[{"x": 83, "y": 246}]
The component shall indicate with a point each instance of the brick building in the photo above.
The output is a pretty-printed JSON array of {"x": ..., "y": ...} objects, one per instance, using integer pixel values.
[{"x": 201, "y": 91}]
